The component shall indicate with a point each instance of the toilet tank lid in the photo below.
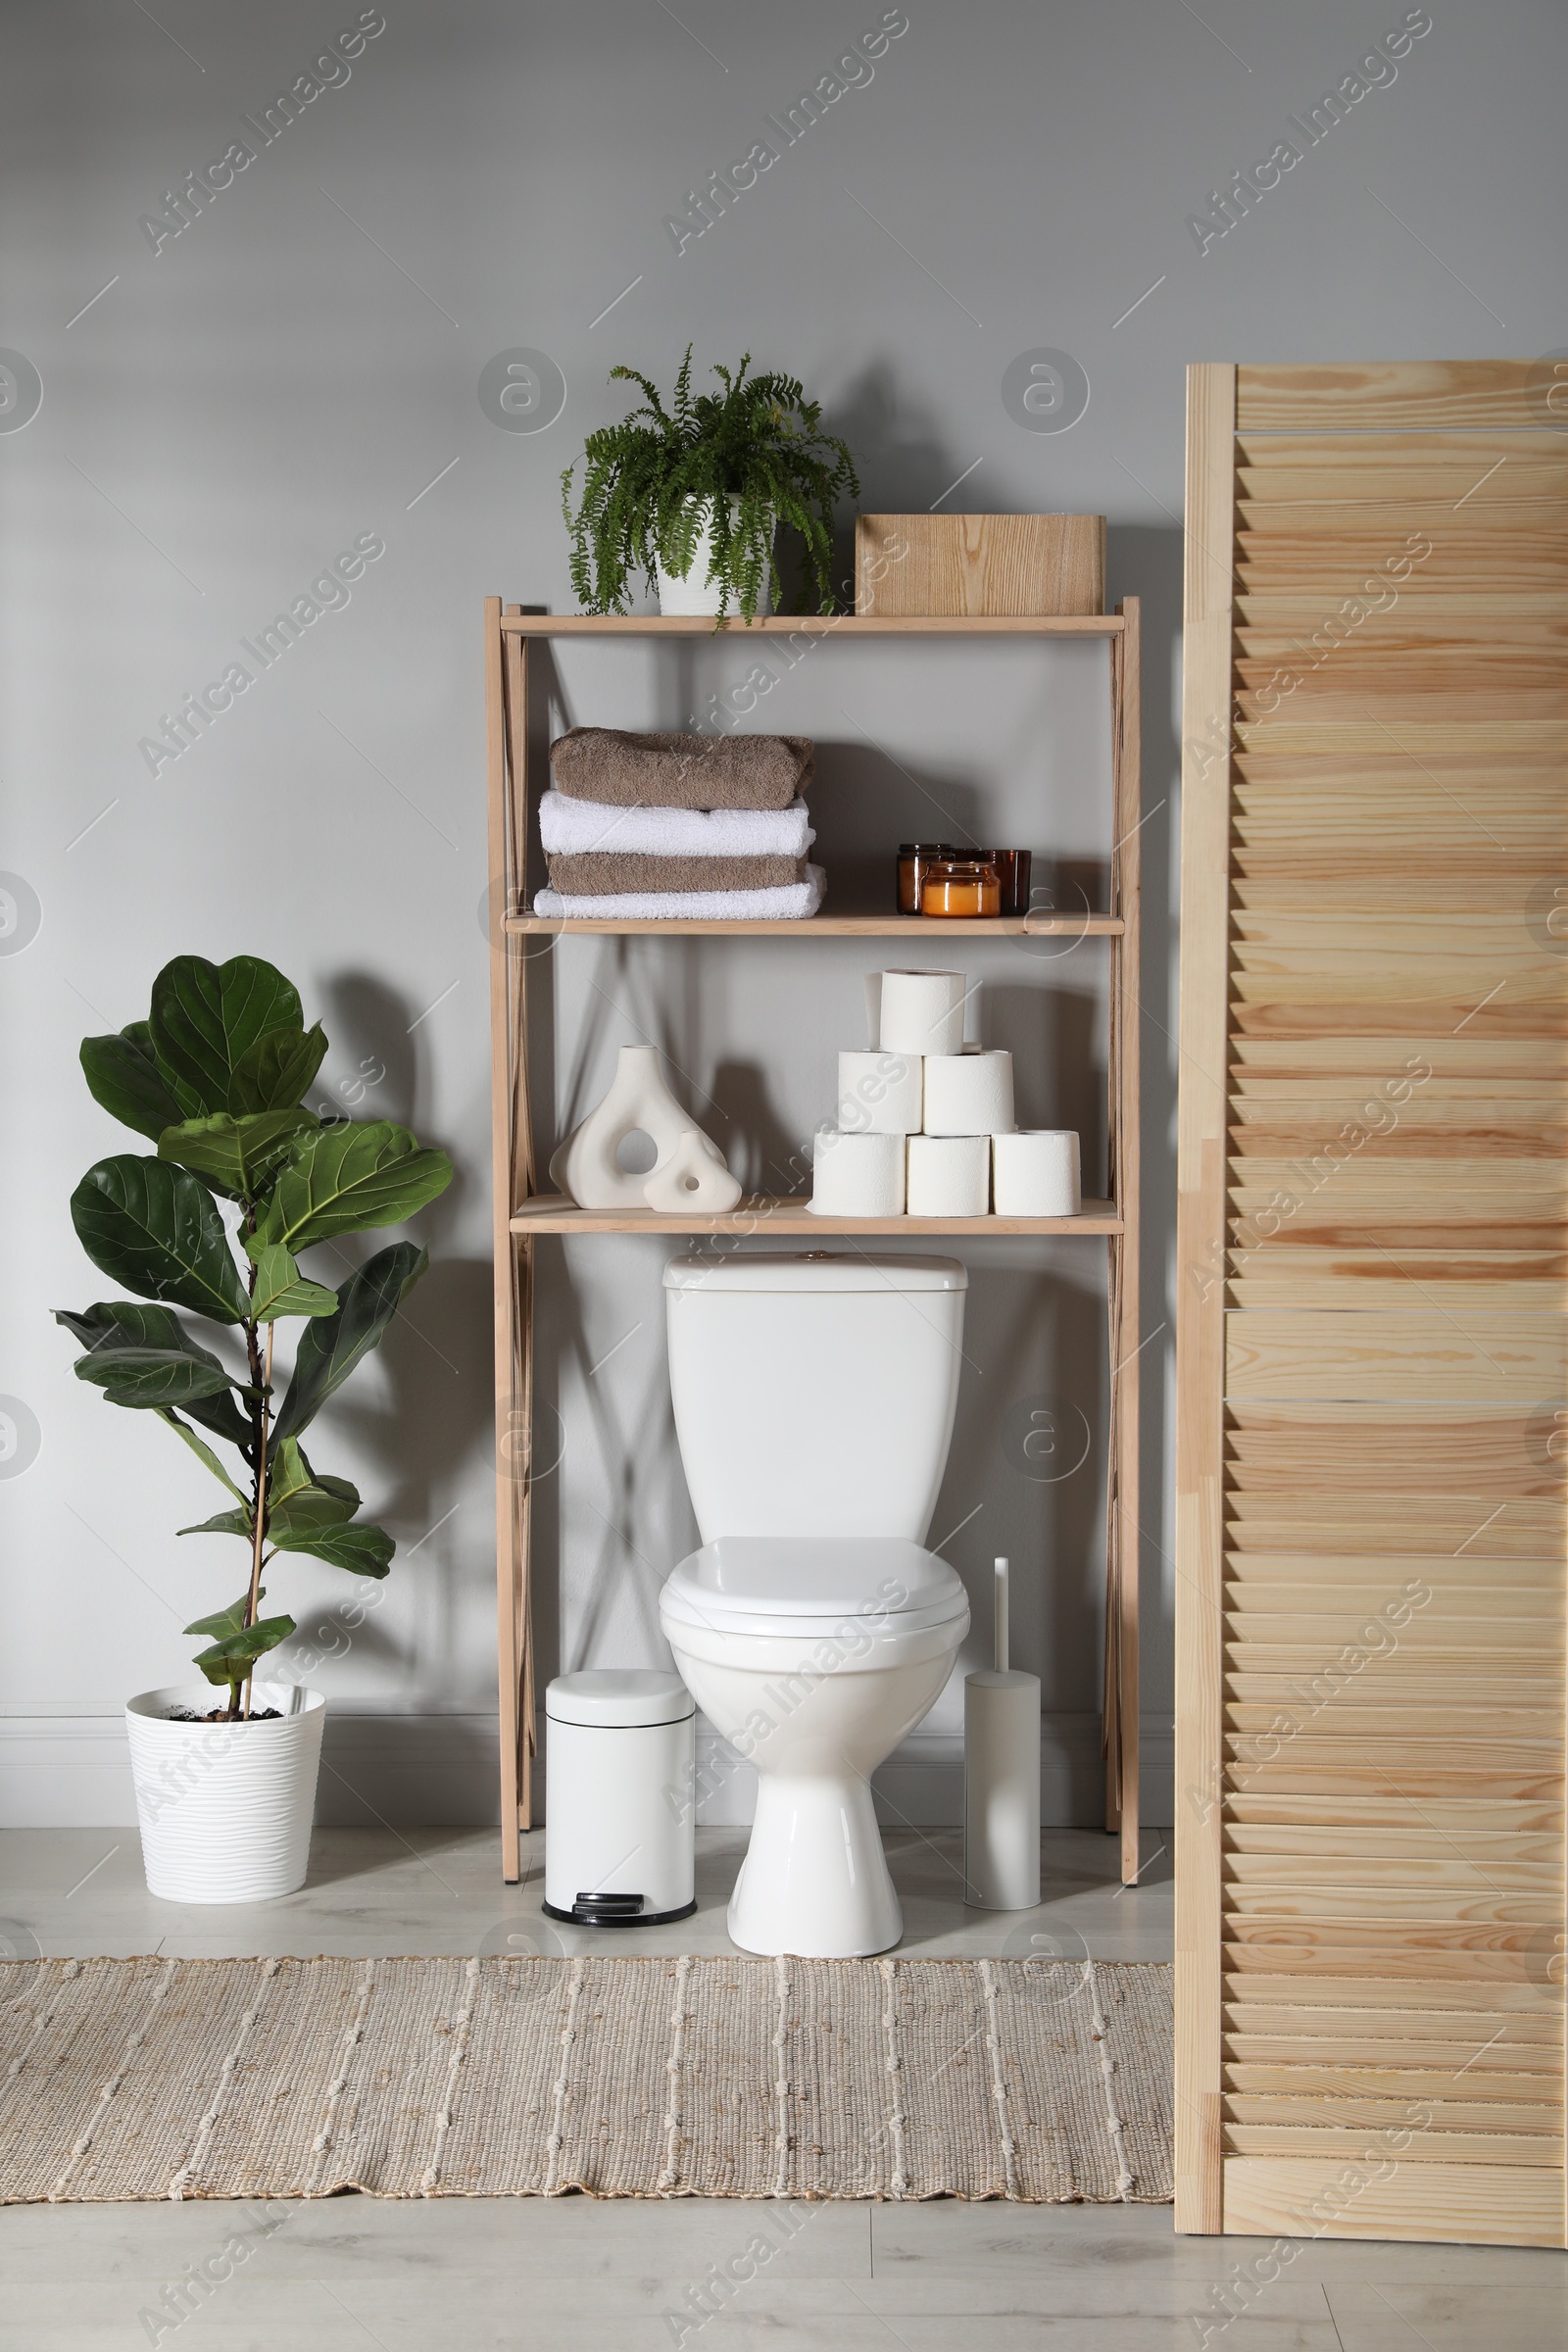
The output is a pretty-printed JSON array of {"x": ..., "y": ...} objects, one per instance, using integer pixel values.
[
  {"x": 618, "y": 1698},
  {"x": 814, "y": 1270}
]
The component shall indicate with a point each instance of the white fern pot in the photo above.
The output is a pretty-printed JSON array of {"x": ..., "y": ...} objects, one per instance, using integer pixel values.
[
  {"x": 225, "y": 1808},
  {"x": 692, "y": 591}
]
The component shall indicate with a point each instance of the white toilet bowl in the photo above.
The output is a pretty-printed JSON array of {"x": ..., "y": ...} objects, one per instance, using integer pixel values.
[
  {"x": 813, "y": 1658},
  {"x": 814, "y": 1399}
]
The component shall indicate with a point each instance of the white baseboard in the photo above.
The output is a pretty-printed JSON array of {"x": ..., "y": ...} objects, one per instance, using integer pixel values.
[
  {"x": 70, "y": 1769},
  {"x": 73, "y": 1771},
  {"x": 922, "y": 1782}
]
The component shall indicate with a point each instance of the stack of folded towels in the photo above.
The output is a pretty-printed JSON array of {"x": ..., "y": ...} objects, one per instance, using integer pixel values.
[{"x": 696, "y": 827}]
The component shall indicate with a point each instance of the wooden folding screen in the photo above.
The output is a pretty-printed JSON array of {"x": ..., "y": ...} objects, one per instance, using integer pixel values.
[{"x": 1373, "y": 1413}]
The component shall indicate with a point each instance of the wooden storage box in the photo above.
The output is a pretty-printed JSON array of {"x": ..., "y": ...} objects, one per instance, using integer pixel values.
[{"x": 979, "y": 563}]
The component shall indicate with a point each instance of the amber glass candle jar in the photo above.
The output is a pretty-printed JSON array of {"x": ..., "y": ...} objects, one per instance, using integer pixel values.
[
  {"x": 1012, "y": 873},
  {"x": 961, "y": 886},
  {"x": 915, "y": 857}
]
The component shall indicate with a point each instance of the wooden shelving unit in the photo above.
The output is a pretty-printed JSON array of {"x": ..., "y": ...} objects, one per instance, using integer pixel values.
[
  {"x": 522, "y": 1215},
  {"x": 839, "y": 926},
  {"x": 778, "y": 1214}
]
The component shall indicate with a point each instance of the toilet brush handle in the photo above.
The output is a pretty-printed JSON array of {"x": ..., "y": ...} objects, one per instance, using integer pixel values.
[{"x": 999, "y": 1616}]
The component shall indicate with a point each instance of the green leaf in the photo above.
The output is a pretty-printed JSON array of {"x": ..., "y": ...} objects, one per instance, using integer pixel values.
[
  {"x": 288, "y": 1472},
  {"x": 306, "y": 1515},
  {"x": 304, "y": 1511},
  {"x": 297, "y": 1500},
  {"x": 124, "y": 1323},
  {"x": 283, "y": 1290},
  {"x": 345, "y": 1179},
  {"x": 223, "y": 1417},
  {"x": 301, "y": 1503},
  {"x": 222, "y": 1523},
  {"x": 150, "y": 1377},
  {"x": 206, "y": 1018},
  {"x": 231, "y": 1659},
  {"x": 201, "y": 1449},
  {"x": 328, "y": 1351},
  {"x": 144, "y": 1356},
  {"x": 275, "y": 1072},
  {"x": 225, "y": 1623},
  {"x": 362, "y": 1550},
  {"x": 154, "y": 1228},
  {"x": 234, "y": 1155},
  {"x": 127, "y": 1323},
  {"x": 124, "y": 1076}
]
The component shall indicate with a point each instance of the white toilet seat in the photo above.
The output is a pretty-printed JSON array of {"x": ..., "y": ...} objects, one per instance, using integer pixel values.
[{"x": 806, "y": 1588}]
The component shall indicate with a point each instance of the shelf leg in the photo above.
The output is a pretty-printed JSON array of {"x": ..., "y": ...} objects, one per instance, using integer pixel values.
[{"x": 1126, "y": 1335}]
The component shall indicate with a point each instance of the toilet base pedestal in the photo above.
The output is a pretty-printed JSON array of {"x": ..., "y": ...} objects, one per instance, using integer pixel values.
[{"x": 814, "y": 1882}]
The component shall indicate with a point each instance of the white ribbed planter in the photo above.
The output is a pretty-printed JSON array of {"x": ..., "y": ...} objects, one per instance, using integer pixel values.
[
  {"x": 225, "y": 1808},
  {"x": 692, "y": 591}
]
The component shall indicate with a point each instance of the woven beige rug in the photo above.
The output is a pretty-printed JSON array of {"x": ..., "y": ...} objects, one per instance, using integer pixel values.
[{"x": 627, "y": 2077}]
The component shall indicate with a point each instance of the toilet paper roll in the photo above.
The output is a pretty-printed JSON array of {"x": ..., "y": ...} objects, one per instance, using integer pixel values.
[
  {"x": 950, "y": 1175},
  {"x": 1036, "y": 1173},
  {"x": 968, "y": 1093},
  {"x": 857, "y": 1175},
  {"x": 922, "y": 1013},
  {"x": 880, "y": 1094}
]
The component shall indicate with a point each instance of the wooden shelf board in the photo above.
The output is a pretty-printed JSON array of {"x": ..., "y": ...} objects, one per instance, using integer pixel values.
[
  {"x": 763, "y": 1215},
  {"x": 843, "y": 926},
  {"x": 814, "y": 625}
]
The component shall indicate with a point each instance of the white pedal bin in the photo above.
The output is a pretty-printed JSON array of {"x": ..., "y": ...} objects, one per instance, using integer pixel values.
[{"x": 620, "y": 1797}]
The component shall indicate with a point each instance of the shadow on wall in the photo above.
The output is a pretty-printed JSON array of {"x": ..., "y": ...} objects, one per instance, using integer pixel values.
[
  {"x": 761, "y": 1150},
  {"x": 906, "y": 461},
  {"x": 1026, "y": 1474},
  {"x": 627, "y": 1542},
  {"x": 436, "y": 1356}
]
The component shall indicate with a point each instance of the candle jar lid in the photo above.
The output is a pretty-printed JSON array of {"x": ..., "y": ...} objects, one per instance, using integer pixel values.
[{"x": 961, "y": 869}]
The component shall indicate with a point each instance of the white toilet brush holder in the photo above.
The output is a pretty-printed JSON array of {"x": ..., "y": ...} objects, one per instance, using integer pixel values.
[{"x": 1001, "y": 1778}]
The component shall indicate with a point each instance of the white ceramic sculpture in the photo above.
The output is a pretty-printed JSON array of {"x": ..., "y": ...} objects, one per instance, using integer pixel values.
[{"x": 690, "y": 1171}]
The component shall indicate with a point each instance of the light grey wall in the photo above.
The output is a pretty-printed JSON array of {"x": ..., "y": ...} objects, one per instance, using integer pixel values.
[{"x": 299, "y": 366}]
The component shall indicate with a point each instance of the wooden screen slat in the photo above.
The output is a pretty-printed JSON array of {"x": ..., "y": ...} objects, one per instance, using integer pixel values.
[
  {"x": 1394, "y": 396},
  {"x": 1373, "y": 1337}
]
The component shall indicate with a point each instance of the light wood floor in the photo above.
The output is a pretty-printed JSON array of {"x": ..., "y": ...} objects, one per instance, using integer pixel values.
[{"x": 572, "y": 2275}]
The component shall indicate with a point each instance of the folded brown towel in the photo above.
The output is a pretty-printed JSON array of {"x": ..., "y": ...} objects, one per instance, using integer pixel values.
[
  {"x": 681, "y": 771},
  {"x": 594, "y": 874}
]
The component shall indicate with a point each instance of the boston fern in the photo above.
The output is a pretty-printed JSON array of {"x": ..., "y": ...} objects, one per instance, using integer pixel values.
[
  {"x": 216, "y": 1076},
  {"x": 742, "y": 463}
]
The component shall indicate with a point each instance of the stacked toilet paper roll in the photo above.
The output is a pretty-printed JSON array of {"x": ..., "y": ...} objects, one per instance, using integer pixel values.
[
  {"x": 921, "y": 1012},
  {"x": 880, "y": 1094},
  {"x": 950, "y": 1175},
  {"x": 1036, "y": 1173},
  {"x": 926, "y": 1124},
  {"x": 968, "y": 1093},
  {"x": 857, "y": 1175}
]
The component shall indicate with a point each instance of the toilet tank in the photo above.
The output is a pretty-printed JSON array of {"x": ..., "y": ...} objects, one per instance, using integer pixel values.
[{"x": 815, "y": 1394}]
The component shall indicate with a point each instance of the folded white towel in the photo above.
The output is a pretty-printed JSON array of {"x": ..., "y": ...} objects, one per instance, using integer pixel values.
[
  {"x": 570, "y": 827},
  {"x": 788, "y": 905}
]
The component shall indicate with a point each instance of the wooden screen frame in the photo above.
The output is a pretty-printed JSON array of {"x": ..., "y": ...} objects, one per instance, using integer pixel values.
[{"x": 1479, "y": 2201}]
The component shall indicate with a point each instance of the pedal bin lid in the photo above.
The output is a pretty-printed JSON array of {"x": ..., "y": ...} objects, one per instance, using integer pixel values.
[{"x": 618, "y": 1698}]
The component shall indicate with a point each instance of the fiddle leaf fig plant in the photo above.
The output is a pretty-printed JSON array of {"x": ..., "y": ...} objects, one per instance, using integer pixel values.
[
  {"x": 215, "y": 1078},
  {"x": 738, "y": 462}
]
